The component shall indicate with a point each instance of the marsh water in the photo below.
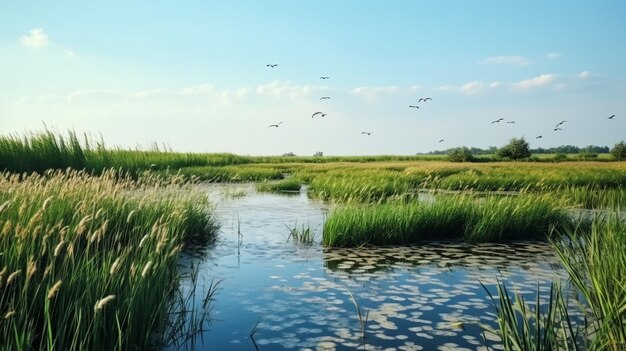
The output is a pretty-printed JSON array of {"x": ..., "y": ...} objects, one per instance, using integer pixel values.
[{"x": 275, "y": 294}]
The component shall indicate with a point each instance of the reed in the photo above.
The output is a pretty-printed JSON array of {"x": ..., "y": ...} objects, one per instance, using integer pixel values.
[
  {"x": 459, "y": 216},
  {"x": 289, "y": 184},
  {"x": 90, "y": 262}
]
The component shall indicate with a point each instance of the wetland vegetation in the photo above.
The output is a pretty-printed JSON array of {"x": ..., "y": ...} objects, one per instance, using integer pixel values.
[{"x": 89, "y": 234}]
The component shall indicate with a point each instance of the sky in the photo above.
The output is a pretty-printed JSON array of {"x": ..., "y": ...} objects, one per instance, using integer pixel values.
[{"x": 193, "y": 75}]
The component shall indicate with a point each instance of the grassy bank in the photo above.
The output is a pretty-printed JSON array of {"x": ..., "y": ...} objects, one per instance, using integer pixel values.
[
  {"x": 89, "y": 262},
  {"x": 467, "y": 217}
]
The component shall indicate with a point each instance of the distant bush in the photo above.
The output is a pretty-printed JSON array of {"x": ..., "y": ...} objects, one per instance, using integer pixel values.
[
  {"x": 318, "y": 154},
  {"x": 289, "y": 154},
  {"x": 460, "y": 154},
  {"x": 559, "y": 157},
  {"x": 587, "y": 156},
  {"x": 619, "y": 151},
  {"x": 516, "y": 149}
]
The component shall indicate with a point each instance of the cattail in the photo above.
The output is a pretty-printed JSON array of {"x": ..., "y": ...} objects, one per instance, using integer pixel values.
[
  {"x": 13, "y": 276},
  {"x": 143, "y": 240},
  {"x": 115, "y": 265},
  {"x": 54, "y": 289},
  {"x": 9, "y": 314},
  {"x": 82, "y": 225},
  {"x": 46, "y": 271},
  {"x": 146, "y": 269},
  {"x": 46, "y": 203},
  {"x": 5, "y": 205},
  {"x": 8, "y": 225},
  {"x": 161, "y": 244},
  {"x": 175, "y": 251},
  {"x": 103, "y": 302},
  {"x": 98, "y": 213},
  {"x": 133, "y": 269},
  {"x": 31, "y": 268},
  {"x": 130, "y": 216},
  {"x": 58, "y": 248}
]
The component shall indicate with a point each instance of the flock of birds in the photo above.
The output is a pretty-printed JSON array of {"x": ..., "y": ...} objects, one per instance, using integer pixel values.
[
  {"x": 423, "y": 99},
  {"x": 556, "y": 127}
]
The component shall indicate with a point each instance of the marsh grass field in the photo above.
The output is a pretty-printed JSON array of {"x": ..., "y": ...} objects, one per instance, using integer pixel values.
[{"x": 91, "y": 237}]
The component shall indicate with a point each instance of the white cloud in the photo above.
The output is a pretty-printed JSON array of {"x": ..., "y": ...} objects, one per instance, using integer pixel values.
[
  {"x": 373, "y": 92},
  {"x": 584, "y": 74},
  {"x": 470, "y": 88},
  {"x": 203, "y": 89},
  {"x": 69, "y": 53},
  {"x": 534, "y": 82},
  {"x": 36, "y": 39},
  {"x": 92, "y": 93},
  {"x": 146, "y": 94},
  {"x": 508, "y": 60},
  {"x": 278, "y": 89},
  {"x": 553, "y": 55},
  {"x": 415, "y": 88}
]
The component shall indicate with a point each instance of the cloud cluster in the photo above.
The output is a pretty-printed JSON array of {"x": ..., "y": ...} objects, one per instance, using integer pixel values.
[
  {"x": 36, "y": 38},
  {"x": 508, "y": 60}
]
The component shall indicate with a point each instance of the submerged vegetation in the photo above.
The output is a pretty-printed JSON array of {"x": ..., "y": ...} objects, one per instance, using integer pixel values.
[{"x": 91, "y": 262}]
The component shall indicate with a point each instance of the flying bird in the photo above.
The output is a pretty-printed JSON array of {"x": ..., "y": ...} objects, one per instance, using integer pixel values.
[
  {"x": 275, "y": 125},
  {"x": 555, "y": 129},
  {"x": 270, "y": 65},
  {"x": 497, "y": 120},
  {"x": 368, "y": 133},
  {"x": 325, "y": 98},
  {"x": 317, "y": 113},
  {"x": 560, "y": 123},
  {"x": 611, "y": 117},
  {"x": 414, "y": 106},
  {"x": 424, "y": 99},
  {"x": 539, "y": 137},
  {"x": 324, "y": 77},
  {"x": 441, "y": 141},
  {"x": 511, "y": 122}
]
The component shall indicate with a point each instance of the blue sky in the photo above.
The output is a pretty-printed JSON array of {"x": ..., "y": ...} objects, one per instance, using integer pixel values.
[{"x": 193, "y": 75}]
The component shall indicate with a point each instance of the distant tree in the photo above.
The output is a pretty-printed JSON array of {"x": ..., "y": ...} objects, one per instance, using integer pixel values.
[
  {"x": 289, "y": 154},
  {"x": 516, "y": 149},
  {"x": 460, "y": 154},
  {"x": 318, "y": 154},
  {"x": 619, "y": 151}
]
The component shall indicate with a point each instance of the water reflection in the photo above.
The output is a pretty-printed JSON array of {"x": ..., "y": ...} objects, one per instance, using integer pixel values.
[{"x": 420, "y": 297}]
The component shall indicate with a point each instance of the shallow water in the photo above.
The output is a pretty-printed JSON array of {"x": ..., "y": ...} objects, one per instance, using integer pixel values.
[{"x": 422, "y": 297}]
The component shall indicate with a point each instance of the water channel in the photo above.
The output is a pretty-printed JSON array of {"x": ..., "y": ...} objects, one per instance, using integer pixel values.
[{"x": 298, "y": 297}]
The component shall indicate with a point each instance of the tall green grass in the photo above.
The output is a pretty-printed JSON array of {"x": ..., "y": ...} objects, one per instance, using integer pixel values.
[
  {"x": 90, "y": 262},
  {"x": 458, "y": 216},
  {"x": 595, "y": 259}
]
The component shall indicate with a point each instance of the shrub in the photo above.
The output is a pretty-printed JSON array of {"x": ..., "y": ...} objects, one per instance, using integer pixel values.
[
  {"x": 619, "y": 151},
  {"x": 516, "y": 149},
  {"x": 460, "y": 154}
]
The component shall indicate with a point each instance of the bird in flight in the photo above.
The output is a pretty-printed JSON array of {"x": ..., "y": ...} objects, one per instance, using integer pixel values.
[
  {"x": 510, "y": 122},
  {"x": 325, "y": 98},
  {"x": 539, "y": 137},
  {"x": 424, "y": 99},
  {"x": 414, "y": 106},
  {"x": 368, "y": 133},
  {"x": 275, "y": 125},
  {"x": 560, "y": 123},
  {"x": 612, "y": 116},
  {"x": 555, "y": 129},
  {"x": 324, "y": 77},
  {"x": 441, "y": 141},
  {"x": 497, "y": 120},
  {"x": 270, "y": 65},
  {"x": 318, "y": 113}
]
